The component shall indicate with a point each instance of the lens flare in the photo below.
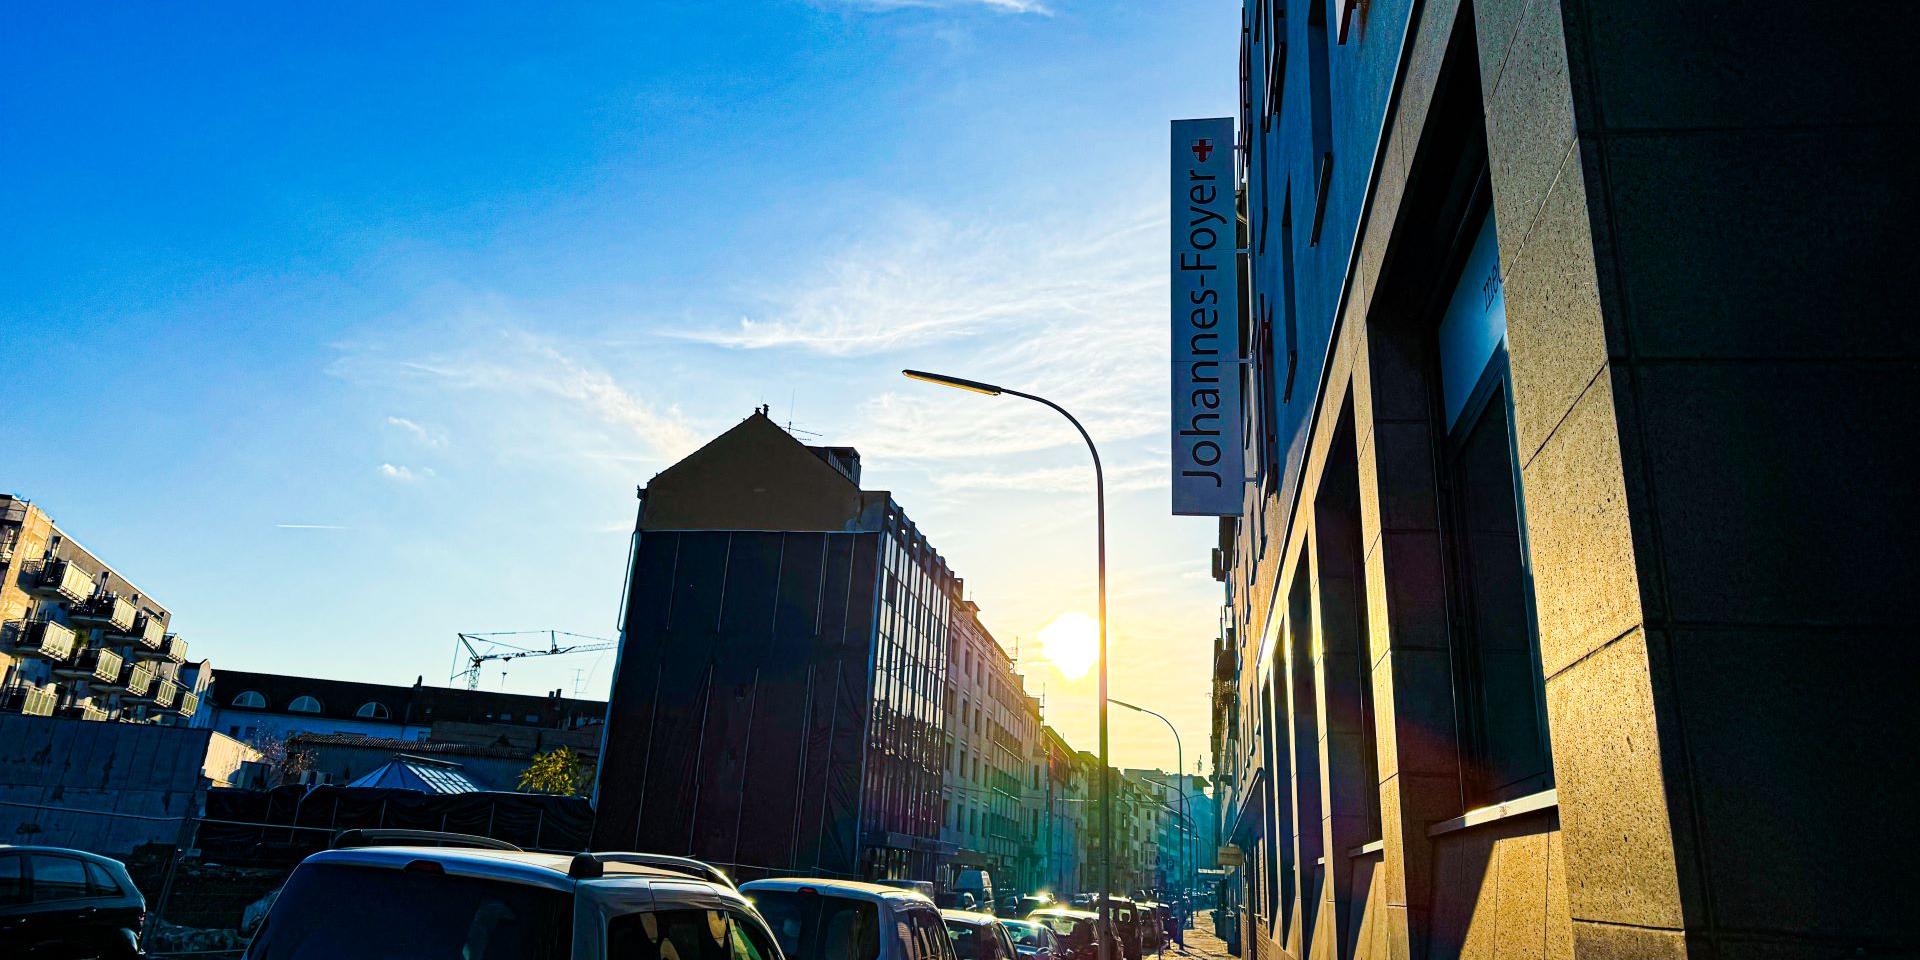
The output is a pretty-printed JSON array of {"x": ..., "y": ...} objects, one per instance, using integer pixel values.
[{"x": 1071, "y": 642}]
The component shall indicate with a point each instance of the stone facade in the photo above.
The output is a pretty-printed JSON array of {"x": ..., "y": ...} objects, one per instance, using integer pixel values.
[{"x": 1640, "y": 710}]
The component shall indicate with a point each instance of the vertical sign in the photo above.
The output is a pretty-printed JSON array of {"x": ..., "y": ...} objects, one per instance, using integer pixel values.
[{"x": 1208, "y": 473}]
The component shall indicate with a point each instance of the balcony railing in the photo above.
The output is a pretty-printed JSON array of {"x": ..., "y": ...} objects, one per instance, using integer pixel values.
[
  {"x": 100, "y": 667},
  {"x": 139, "y": 681},
  {"x": 189, "y": 702},
  {"x": 107, "y": 611},
  {"x": 165, "y": 693},
  {"x": 61, "y": 580},
  {"x": 44, "y": 639},
  {"x": 33, "y": 701},
  {"x": 174, "y": 648},
  {"x": 148, "y": 635}
]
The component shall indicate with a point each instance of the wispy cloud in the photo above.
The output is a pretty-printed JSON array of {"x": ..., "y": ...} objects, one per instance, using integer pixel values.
[
  {"x": 1071, "y": 309},
  {"x": 1074, "y": 479},
  {"x": 534, "y": 382},
  {"x": 886, "y": 6},
  {"x": 404, "y": 474},
  {"x": 432, "y": 439},
  {"x": 309, "y": 526}
]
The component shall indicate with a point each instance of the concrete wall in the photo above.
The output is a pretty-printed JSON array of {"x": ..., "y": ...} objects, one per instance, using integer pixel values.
[{"x": 102, "y": 787}]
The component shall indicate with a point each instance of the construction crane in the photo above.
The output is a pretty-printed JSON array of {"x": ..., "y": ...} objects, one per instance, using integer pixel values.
[{"x": 482, "y": 647}]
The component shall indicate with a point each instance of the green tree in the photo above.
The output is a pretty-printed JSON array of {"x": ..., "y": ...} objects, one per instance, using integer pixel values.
[{"x": 558, "y": 771}]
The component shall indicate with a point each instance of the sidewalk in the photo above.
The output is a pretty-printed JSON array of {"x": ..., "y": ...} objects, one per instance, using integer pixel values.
[{"x": 1201, "y": 943}]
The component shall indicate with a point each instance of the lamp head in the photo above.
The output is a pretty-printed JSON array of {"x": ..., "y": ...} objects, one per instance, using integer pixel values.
[{"x": 957, "y": 383}]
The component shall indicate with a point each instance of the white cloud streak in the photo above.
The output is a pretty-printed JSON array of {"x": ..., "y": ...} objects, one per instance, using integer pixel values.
[
  {"x": 431, "y": 439},
  {"x": 404, "y": 474}
]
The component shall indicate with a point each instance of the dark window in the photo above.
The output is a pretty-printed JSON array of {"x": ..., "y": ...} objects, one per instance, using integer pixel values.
[
  {"x": 1317, "y": 53},
  {"x": 333, "y": 910},
  {"x": 685, "y": 935},
  {"x": 13, "y": 880},
  {"x": 58, "y": 878},
  {"x": 100, "y": 883},
  {"x": 812, "y": 926},
  {"x": 1505, "y": 697}
]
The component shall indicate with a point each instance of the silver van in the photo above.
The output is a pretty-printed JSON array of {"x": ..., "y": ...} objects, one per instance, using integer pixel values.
[
  {"x": 847, "y": 920},
  {"x": 480, "y": 899}
]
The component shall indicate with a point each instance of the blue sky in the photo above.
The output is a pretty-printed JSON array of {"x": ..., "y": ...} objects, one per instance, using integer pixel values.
[{"x": 344, "y": 328}]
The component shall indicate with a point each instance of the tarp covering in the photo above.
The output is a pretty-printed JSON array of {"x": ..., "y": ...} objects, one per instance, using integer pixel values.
[
  {"x": 739, "y": 710},
  {"x": 301, "y": 820}
]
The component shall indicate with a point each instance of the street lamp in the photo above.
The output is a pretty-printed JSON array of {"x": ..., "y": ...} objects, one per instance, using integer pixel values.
[
  {"x": 1179, "y": 776},
  {"x": 1100, "y": 517}
]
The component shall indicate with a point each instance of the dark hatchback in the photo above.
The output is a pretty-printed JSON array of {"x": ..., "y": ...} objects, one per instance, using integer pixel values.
[{"x": 60, "y": 904}]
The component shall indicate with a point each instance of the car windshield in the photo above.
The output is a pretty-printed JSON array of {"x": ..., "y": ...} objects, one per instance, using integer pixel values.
[
  {"x": 1066, "y": 928},
  {"x": 1023, "y": 934},
  {"x": 814, "y": 926},
  {"x": 332, "y": 910}
]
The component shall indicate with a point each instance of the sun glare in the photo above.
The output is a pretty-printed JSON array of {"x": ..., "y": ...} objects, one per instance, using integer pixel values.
[{"x": 1071, "y": 643}]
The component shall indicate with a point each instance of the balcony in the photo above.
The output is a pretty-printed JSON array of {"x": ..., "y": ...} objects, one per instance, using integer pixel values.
[
  {"x": 165, "y": 693},
  {"x": 174, "y": 648},
  {"x": 148, "y": 635},
  {"x": 189, "y": 702},
  {"x": 99, "y": 667},
  {"x": 82, "y": 711},
  {"x": 107, "y": 611},
  {"x": 60, "y": 580},
  {"x": 44, "y": 640},
  {"x": 139, "y": 682},
  {"x": 33, "y": 701}
]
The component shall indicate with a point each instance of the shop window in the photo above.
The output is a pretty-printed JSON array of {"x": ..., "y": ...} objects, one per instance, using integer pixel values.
[{"x": 1497, "y": 651}]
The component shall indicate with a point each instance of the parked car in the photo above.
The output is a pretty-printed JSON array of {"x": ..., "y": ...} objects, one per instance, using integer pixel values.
[
  {"x": 408, "y": 893},
  {"x": 980, "y": 884},
  {"x": 845, "y": 920},
  {"x": 923, "y": 887},
  {"x": 978, "y": 936},
  {"x": 58, "y": 903},
  {"x": 1034, "y": 901},
  {"x": 1075, "y": 932},
  {"x": 1032, "y": 941},
  {"x": 1126, "y": 924},
  {"x": 1153, "y": 931}
]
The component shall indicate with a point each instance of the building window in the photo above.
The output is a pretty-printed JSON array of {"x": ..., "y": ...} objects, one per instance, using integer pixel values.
[
  {"x": 251, "y": 699},
  {"x": 304, "y": 704},
  {"x": 373, "y": 710},
  {"x": 1317, "y": 53},
  {"x": 1497, "y": 653}
]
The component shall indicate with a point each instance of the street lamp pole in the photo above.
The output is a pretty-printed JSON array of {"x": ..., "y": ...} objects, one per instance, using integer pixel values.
[
  {"x": 1100, "y": 519},
  {"x": 1179, "y": 777}
]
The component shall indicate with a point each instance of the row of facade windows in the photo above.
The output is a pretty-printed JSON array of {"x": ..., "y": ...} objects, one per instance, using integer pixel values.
[{"x": 255, "y": 700}]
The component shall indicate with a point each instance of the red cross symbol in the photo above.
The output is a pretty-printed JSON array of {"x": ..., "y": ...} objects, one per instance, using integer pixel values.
[{"x": 1202, "y": 149}]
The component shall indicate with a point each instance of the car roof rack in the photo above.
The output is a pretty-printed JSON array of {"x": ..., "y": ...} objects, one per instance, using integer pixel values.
[
  {"x": 424, "y": 838},
  {"x": 586, "y": 866}
]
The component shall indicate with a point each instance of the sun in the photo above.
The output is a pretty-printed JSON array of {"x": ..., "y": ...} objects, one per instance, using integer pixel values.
[{"x": 1071, "y": 642}]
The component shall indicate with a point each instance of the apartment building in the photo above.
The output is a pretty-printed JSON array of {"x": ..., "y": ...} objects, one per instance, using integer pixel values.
[
  {"x": 992, "y": 816},
  {"x": 77, "y": 638}
]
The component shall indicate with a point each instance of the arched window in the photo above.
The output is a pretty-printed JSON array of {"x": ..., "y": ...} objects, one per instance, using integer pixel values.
[
  {"x": 373, "y": 710},
  {"x": 250, "y": 698},
  {"x": 304, "y": 704}
]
